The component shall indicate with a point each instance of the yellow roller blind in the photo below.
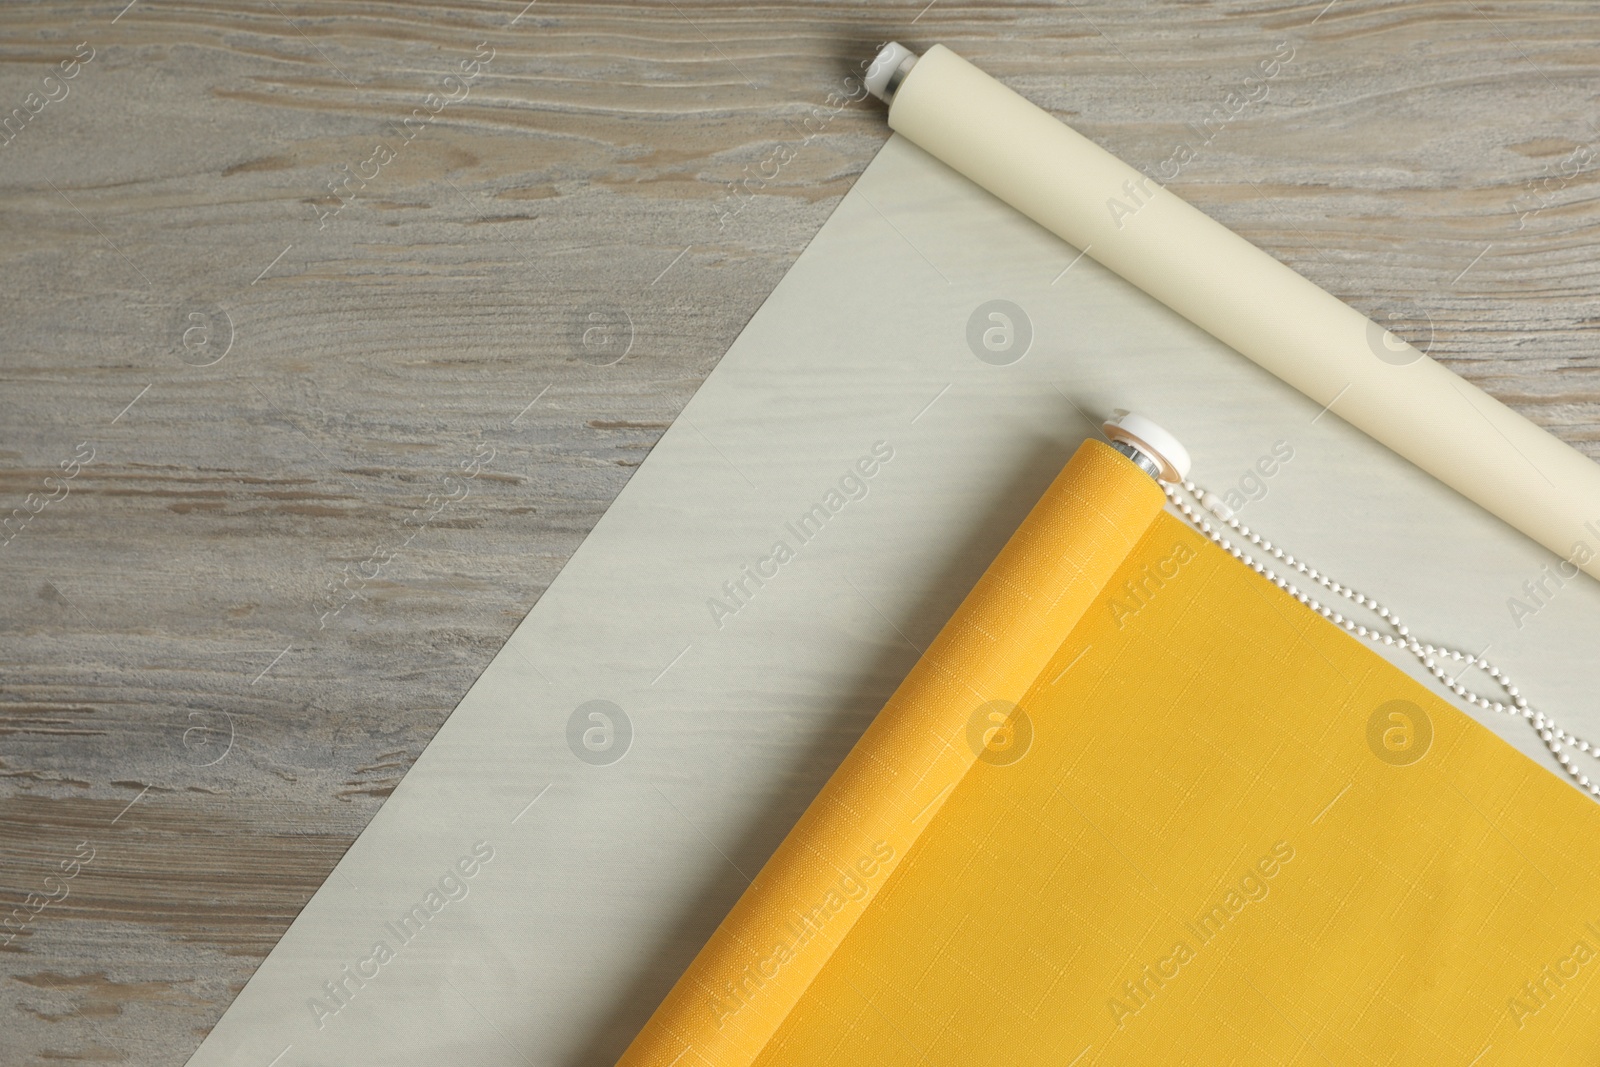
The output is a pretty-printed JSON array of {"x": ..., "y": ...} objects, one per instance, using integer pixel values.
[{"x": 1135, "y": 805}]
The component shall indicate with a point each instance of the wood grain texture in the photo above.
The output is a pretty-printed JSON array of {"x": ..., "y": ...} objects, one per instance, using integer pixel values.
[{"x": 225, "y": 637}]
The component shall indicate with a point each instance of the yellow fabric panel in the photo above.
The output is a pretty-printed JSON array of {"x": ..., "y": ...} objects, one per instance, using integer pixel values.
[
  {"x": 1236, "y": 836},
  {"x": 780, "y": 934}
]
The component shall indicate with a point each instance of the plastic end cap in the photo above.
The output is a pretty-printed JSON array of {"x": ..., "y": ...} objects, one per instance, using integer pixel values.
[
  {"x": 887, "y": 69},
  {"x": 1142, "y": 433}
]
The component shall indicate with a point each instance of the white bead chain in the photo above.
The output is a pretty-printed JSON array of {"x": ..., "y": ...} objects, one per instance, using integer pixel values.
[{"x": 1556, "y": 739}]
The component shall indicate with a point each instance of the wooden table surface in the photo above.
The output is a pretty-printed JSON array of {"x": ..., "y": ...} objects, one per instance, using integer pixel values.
[{"x": 246, "y": 352}]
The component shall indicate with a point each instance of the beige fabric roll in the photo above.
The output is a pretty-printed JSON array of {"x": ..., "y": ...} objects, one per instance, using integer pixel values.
[{"x": 1245, "y": 298}]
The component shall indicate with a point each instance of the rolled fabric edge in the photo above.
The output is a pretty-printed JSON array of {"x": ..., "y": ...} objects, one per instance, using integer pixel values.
[
  {"x": 735, "y": 995},
  {"x": 1262, "y": 308}
]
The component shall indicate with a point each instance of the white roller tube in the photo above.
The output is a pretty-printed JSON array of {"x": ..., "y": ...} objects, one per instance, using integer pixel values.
[{"x": 1245, "y": 298}]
